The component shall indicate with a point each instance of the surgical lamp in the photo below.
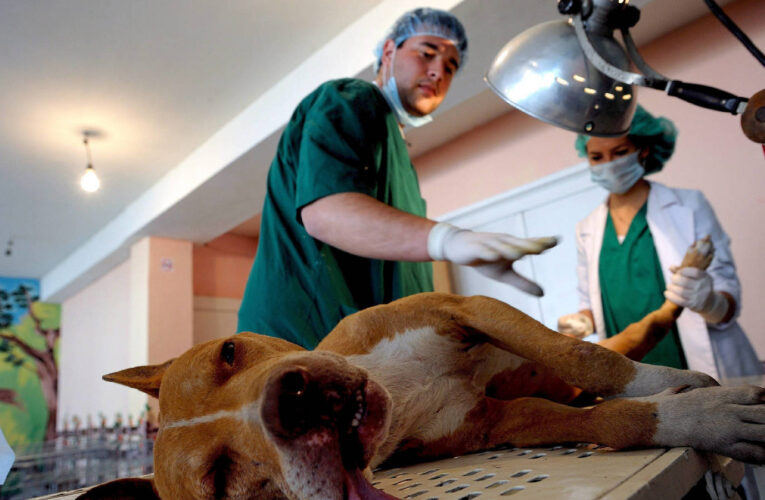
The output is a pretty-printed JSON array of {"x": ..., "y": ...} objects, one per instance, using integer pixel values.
[{"x": 574, "y": 74}]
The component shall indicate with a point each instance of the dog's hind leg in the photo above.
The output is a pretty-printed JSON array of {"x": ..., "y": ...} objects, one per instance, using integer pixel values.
[
  {"x": 522, "y": 422},
  {"x": 726, "y": 420}
]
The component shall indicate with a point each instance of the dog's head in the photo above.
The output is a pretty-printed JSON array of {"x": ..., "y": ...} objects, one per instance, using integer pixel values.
[{"x": 251, "y": 416}]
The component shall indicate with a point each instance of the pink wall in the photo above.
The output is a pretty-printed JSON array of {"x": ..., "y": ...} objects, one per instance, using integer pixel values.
[
  {"x": 222, "y": 266},
  {"x": 713, "y": 154}
]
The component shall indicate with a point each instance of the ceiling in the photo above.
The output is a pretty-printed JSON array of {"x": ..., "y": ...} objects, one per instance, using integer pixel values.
[{"x": 185, "y": 101}]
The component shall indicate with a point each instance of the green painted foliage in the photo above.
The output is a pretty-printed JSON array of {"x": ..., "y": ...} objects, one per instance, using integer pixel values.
[{"x": 18, "y": 372}]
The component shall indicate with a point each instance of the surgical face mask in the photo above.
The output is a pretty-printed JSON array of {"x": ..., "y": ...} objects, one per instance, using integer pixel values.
[
  {"x": 619, "y": 175},
  {"x": 390, "y": 92}
]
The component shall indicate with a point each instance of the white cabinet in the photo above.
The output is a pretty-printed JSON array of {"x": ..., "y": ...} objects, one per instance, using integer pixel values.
[{"x": 550, "y": 206}]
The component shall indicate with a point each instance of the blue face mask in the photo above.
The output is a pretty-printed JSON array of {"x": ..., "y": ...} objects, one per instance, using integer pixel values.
[
  {"x": 619, "y": 175},
  {"x": 390, "y": 92}
]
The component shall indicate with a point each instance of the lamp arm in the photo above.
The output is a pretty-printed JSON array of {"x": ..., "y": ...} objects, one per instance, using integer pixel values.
[
  {"x": 700, "y": 95},
  {"x": 608, "y": 69},
  {"x": 638, "y": 59}
]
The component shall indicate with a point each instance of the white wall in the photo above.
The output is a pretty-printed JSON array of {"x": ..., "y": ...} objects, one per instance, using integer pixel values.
[{"x": 95, "y": 328}]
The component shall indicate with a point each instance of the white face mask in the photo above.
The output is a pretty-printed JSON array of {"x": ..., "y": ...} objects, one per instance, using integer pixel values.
[
  {"x": 390, "y": 92},
  {"x": 619, "y": 175}
]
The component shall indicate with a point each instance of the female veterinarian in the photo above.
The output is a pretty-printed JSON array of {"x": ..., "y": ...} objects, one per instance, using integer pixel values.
[{"x": 629, "y": 242}]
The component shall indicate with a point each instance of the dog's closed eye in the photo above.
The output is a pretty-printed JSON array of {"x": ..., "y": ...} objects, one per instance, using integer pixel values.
[{"x": 228, "y": 352}]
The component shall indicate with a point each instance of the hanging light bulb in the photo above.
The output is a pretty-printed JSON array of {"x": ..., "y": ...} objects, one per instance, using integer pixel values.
[{"x": 89, "y": 181}]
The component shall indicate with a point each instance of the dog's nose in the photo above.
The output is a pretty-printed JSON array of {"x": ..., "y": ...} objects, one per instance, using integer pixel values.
[
  {"x": 295, "y": 382},
  {"x": 301, "y": 398}
]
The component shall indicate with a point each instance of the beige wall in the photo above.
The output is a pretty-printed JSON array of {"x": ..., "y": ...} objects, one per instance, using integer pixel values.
[
  {"x": 95, "y": 326},
  {"x": 713, "y": 155},
  {"x": 214, "y": 317},
  {"x": 221, "y": 268}
]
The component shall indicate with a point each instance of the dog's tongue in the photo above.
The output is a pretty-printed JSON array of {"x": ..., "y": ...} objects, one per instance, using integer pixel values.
[{"x": 359, "y": 488}]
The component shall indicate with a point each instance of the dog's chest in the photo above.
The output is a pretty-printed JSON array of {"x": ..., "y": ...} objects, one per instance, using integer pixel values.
[{"x": 434, "y": 380}]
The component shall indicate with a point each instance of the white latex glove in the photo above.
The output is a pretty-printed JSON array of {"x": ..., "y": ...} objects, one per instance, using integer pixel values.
[
  {"x": 492, "y": 254},
  {"x": 576, "y": 325},
  {"x": 693, "y": 288}
]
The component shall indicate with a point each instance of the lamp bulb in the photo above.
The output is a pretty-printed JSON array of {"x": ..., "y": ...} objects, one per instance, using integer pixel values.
[{"x": 89, "y": 181}]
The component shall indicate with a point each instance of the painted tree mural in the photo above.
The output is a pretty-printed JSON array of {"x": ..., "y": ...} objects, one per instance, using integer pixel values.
[{"x": 29, "y": 334}]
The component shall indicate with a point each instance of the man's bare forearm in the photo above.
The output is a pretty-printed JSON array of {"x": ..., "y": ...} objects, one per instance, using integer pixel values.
[{"x": 361, "y": 225}]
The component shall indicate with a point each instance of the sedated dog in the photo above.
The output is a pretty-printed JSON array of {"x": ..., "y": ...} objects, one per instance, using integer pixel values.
[{"x": 427, "y": 376}]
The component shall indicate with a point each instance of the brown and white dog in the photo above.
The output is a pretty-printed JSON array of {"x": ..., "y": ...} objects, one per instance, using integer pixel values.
[{"x": 430, "y": 375}]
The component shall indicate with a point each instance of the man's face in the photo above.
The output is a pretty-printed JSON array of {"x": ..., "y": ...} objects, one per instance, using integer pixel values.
[{"x": 424, "y": 66}]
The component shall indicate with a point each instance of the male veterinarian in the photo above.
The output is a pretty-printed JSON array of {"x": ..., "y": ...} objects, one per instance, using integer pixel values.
[{"x": 343, "y": 225}]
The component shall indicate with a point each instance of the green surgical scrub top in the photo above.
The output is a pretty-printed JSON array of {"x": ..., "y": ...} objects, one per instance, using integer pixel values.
[
  {"x": 342, "y": 138},
  {"x": 632, "y": 285}
]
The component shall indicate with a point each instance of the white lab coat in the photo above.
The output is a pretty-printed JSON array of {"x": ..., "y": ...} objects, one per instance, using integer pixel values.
[{"x": 677, "y": 218}]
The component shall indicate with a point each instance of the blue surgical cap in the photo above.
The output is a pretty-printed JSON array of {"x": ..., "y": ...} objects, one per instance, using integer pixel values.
[
  {"x": 646, "y": 131},
  {"x": 425, "y": 21}
]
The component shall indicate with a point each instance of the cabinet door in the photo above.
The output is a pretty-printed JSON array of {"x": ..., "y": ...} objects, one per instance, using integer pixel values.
[
  {"x": 555, "y": 270},
  {"x": 550, "y": 207}
]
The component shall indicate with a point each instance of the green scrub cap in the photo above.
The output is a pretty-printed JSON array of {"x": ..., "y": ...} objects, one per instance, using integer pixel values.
[
  {"x": 425, "y": 21},
  {"x": 657, "y": 134}
]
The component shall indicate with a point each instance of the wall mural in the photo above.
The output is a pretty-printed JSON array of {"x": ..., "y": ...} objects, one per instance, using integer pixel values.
[{"x": 29, "y": 338}]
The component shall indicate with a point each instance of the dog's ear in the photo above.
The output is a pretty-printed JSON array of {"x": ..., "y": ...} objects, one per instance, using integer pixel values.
[
  {"x": 132, "y": 488},
  {"x": 144, "y": 378}
]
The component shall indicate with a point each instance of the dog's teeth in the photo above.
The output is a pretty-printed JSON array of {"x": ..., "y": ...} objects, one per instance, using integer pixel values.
[
  {"x": 358, "y": 415},
  {"x": 359, "y": 396},
  {"x": 355, "y": 422}
]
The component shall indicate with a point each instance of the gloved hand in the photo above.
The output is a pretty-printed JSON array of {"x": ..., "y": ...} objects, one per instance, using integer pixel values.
[
  {"x": 575, "y": 325},
  {"x": 492, "y": 254},
  {"x": 693, "y": 288}
]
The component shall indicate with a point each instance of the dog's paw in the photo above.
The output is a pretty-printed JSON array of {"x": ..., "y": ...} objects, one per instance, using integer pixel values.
[
  {"x": 725, "y": 420},
  {"x": 699, "y": 254},
  {"x": 652, "y": 379}
]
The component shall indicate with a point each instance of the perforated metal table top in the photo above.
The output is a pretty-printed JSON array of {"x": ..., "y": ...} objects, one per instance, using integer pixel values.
[{"x": 582, "y": 472}]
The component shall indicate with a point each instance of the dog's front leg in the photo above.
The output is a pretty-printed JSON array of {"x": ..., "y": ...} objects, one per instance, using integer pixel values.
[
  {"x": 590, "y": 367},
  {"x": 640, "y": 337}
]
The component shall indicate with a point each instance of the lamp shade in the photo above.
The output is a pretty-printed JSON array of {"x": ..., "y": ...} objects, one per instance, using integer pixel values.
[{"x": 544, "y": 73}]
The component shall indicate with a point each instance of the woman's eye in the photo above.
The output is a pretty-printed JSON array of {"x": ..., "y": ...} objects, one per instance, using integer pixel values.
[
  {"x": 227, "y": 352},
  {"x": 621, "y": 152}
]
